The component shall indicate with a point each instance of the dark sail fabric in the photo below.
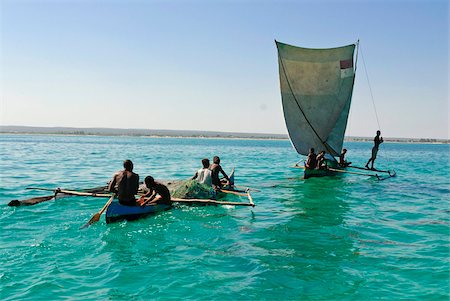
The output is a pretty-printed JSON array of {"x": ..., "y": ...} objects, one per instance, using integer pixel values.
[{"x": 316, "y": 90}]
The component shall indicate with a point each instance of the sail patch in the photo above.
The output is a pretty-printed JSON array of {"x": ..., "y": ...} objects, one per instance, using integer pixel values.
[{"x": 346, "y": 68}]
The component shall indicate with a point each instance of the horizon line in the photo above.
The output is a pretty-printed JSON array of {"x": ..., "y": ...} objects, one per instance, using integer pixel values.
[{"x": 286, "y": 135}]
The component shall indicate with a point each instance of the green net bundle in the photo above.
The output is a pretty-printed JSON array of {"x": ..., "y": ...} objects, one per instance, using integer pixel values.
[{"x": 190, "y": 189}]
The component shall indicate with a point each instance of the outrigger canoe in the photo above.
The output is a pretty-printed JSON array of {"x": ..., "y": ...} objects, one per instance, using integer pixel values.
[
  {"x": 334, "y": 170},
  {"x": 117, "y": 212}
]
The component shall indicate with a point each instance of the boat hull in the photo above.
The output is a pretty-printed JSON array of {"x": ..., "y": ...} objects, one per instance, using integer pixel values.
[
  {"x": 311, "y": 173},
  {"x": 117, "y": 212}
]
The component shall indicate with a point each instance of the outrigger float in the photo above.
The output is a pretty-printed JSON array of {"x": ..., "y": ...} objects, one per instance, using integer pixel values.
[{"x": 316, "y": 91}]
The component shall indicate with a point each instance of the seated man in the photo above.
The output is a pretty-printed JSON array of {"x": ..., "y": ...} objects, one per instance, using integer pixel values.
[
  {"x": 158, "y": 193},
  {"x": 215, "y": 169},
  {"x": 125, "y": 184},
  {"x": 342, "y": 162},
  {"x": 311, "y": 161},
  {"x": 204, "y": 175},
  {"x": 321, "y": 162}
]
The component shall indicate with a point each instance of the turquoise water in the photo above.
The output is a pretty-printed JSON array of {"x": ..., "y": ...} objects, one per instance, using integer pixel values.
[{"x": 340, "y": 238}]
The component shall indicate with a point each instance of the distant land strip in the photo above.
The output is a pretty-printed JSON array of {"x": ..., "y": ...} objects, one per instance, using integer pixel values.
[{"x": 10, "y": 129}]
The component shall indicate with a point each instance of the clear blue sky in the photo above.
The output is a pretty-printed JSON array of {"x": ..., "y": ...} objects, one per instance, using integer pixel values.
[{"x": 212, "y": 65}]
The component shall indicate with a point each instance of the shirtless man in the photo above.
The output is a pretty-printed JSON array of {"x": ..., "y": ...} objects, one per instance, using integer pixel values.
[
  {"x": 204, "y": 175},
  {"x": 158, "y": 193},
  {"x": 311, "y": 161},
  {"x": 377, "y": 141},
  {"x": 125, "y": 184},
  {"x": 321, "y": 163},
  {"x": 342, "y": 161},
  {"x": 215, "y": 169}
]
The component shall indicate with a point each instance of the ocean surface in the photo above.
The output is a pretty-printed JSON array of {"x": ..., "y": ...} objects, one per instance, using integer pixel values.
[{"x": 348, "y": 237}]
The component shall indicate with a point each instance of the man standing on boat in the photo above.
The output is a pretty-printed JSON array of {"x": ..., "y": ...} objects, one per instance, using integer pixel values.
[
  {"x": 204, "y": 175},
  {"x": 377, "y": 141},
  {"x": 311, "y": 161},
  {"x": 158, "y": 193},
  {"x": 125, "y": 184},
  {"x": 215, "y": 169}
]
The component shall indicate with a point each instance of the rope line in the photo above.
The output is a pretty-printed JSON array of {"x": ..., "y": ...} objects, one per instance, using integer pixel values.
[
  {"x": 371, "y": 95},
  {"x": 370, "y": 88}
]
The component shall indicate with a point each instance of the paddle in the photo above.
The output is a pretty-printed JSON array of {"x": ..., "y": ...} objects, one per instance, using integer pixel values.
[{"x": 96, "y": 217}]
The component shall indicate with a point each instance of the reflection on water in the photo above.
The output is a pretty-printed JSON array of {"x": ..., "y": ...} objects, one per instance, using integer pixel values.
[{"x": 345, "y": 237}]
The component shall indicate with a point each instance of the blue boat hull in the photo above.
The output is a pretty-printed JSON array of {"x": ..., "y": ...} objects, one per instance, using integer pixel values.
[{"x": 117, "y": 212}]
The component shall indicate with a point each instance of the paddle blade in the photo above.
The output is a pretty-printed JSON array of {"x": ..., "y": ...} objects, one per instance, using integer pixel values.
[{"x": 95, "y": 218}]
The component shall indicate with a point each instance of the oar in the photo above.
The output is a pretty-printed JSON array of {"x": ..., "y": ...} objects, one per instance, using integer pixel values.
[{"x": 96, "y": 217}]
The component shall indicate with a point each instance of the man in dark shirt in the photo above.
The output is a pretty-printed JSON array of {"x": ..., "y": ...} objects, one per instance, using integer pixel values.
[
  {"x": 215, "y": 169},
  {"x": 377, "y": 141},
  {"x": 125, "y": 184},
  {"x": 158, "y": 193},
  {"x": 311, "y": 161}
]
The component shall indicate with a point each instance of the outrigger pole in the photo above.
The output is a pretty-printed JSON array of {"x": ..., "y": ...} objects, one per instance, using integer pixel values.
[{"x": 393, "y": 174}]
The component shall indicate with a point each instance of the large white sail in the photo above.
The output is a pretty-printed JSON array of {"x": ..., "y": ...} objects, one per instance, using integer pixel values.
[{"x": 316, "y": 90}]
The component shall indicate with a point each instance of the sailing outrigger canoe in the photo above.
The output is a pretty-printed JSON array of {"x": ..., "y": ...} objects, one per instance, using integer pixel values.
[{"x": 316, "y": 90}]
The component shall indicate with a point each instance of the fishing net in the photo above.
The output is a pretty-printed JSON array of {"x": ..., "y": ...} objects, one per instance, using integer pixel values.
[{"x": 190, "y": 189}]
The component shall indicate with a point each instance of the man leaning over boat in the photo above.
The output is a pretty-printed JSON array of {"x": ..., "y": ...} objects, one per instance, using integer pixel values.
[{"x": 158, "y": 193}]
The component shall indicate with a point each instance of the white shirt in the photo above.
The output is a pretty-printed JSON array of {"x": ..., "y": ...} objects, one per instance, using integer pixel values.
[{"x": 204, "y": 176}]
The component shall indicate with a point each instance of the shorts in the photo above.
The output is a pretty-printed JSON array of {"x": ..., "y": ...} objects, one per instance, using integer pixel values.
[{"x": 374, "y": 152}]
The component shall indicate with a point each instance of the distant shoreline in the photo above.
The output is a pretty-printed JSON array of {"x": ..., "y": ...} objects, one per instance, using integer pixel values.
[{"x": 68, "y": 131}]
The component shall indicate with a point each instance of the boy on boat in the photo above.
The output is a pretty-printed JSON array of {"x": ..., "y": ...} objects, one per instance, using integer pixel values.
[
  {"x": 342, "y": 161},
  {"x": 215, "y": 169},
  {"x": 311, "y": 161},
  {"x": 377, "y": 141},
  {"x": 125, "y": 184},
  {"x": 158, "y": 193},
  {"x": 203, "y": 175}
]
